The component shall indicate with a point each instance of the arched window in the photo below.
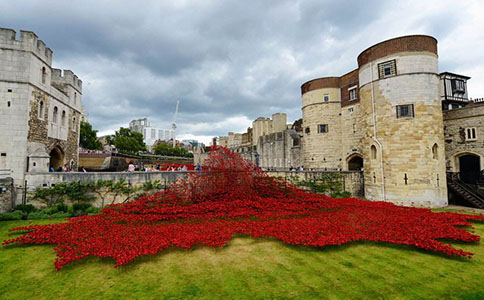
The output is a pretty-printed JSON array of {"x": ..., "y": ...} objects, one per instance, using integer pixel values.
[
  {"x": 63, "y": 119},
  {"x": 44, "y": 75},
  {"x": 74, "y": 124},
  {"x": 373, "y": 152},
  {"x": 41, "y": 110},
  {"x": 75, "y": 98},
  {"x": 54, "y": 115},
  {"x": 435, "y": 151}
]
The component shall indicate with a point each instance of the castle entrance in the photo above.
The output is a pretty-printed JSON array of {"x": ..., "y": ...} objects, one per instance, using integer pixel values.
[
  {"x": 469, "y": 168},
  {"x": 355, "y": 163},
  {"x": 56, "y": 158}
]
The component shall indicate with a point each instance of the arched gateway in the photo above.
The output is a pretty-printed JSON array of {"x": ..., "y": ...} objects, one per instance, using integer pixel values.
[{"x": 56, "y": 158}]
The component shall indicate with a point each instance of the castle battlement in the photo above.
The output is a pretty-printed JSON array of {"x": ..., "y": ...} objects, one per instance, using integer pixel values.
[
  {"x": 28, "y": 41},
  {"x": 66, "y": 77}
]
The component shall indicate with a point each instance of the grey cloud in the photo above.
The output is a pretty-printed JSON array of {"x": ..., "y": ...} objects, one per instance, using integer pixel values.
[{"x": 221, "y": 59}]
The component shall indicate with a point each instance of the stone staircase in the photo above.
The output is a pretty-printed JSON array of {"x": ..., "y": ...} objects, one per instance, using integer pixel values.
[{"x": 467, "y": 192}]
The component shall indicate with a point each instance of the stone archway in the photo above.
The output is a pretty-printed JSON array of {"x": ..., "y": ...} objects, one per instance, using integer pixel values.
[
  {"x": 56, "y": 158},
  {"x": 469, "y": 167},
  {"x": 355, "y": 162}
]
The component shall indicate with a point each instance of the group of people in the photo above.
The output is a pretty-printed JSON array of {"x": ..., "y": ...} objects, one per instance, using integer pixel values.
[
  {"x": 65, "y": 168},
  {"x": 162, "y": 168}
]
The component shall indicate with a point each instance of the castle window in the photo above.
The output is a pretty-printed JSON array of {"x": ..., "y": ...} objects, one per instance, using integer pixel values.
[
  {"x": 373, "y": 152},
  {"x": 470, "y": 134},
  {"x": 54, "y": 115},
  {"x": 74, "y": 124},
  {"x": 387, "y": 69},
  {"x": 63, "y": 119},
  {"x": 41, "y": 110},
  {"x": 350, "y": 110},
  {"x": 322, "y": 128},
  {"x": 326, "y": 97},
  {"x": 44, "y": 75},
  {"x": 435, "y": 150},
  {"x": 458, "y": 86},
  {"x": 8, "y": 103},
  {"x": 405, "y": 111},
  {"x": 75, "y": 98},
  {"x": 307, "y": 130},
  {"x": 353, "y": 93},
  {"x": 9, "y": 90}
]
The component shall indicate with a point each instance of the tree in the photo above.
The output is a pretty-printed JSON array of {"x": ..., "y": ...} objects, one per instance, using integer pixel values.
[
  {"x": 128, "y": 141},
  {"x": 88, "y": 138},
  {"x": 163, "y": 148}
]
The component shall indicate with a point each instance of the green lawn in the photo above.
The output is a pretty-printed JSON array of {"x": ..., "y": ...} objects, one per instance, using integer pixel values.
[{"x": 246, "y": 269}]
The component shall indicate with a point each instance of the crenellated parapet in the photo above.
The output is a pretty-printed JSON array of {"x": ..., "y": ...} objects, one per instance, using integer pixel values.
[
  {"x": 28, "y": 41},
  {"x": 66, "y": 77}
]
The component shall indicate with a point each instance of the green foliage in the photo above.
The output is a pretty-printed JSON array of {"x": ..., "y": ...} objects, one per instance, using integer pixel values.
[
  {"x": 128, "y": 141},
  {"x": 88, "y": 137},
  {"x": 38, "y": 215},
  {"x": 15, "y": 215},
  {"x": 74, "y": 191},
  {"x": 162, "y": 148},
  {"x": 26, "y": 208},
  {"x": 81, "y": 208},
  {"x": 327, "y": 184}
]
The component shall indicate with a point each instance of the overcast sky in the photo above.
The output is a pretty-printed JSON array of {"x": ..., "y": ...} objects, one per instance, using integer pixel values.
[{"x": 229, "y": 62}]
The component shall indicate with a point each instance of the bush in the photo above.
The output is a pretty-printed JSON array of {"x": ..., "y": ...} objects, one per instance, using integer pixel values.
[
  {"x": 81, "y": 208},
  {"x": 26, "y": 208},
  {"x": 15, "y": 215},
  {"x": 61, "y": 215},
  {"x": 61, "y": 207},
  {"x": 38, "y": 215}
]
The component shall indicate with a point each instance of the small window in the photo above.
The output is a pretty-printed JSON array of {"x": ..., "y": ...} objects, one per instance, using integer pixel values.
[
  {"x": 41, "y": 110},
  {"x": 326, "y": 97},
  {"x": 350, "y": 110},
  {"x": 44, "y": 75},
  {"x": 435, "y": 151},
  {"x": 354, "y": 128},
  {"x": 63, "y": 119},
  {"x": 8, "y": 103},
  {"x": 75, "y": 98},
  {"x": 54, "y": 115},
  {"x": 74, "y": 124},
  {"x": 3, "y": 154},
  {"x": 9, "y": 90},
  {"x": 322, "y": 128},
  {"x": 373, "y": 152},
  {"x": 470, "y": 134},
  {"x": 307, "y": 130},
  {"x": 387, "y": 69},
  {"x": 458, "y": 86},
  {"x": 353, "y": 93},
  {"x": 405, "y": 111}
]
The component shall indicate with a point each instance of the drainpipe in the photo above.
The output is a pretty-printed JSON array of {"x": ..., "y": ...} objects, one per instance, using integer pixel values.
[{"x": 375, "y": 136}]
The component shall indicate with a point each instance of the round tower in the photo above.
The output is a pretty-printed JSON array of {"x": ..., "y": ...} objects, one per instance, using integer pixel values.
[
  {"x": 403, "y": 140},
  {"x": 321, "y": 111}
]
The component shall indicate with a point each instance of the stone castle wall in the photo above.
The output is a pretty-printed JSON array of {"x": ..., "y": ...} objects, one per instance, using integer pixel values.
[
  {"x": 322, "y": 150},
  {"x": 26, "y": 78},
  {"x": 456, "y": 121},
  {"x": 409, "y": 175}
]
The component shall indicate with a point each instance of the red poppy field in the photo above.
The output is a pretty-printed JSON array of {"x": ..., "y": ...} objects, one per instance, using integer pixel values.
[{"x": 233, "y": 197}]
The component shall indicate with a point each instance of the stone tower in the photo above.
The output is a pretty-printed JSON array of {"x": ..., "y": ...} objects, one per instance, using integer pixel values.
[
  {"x": 403, "y": 140},
  {"x": 321, "y": 110}
]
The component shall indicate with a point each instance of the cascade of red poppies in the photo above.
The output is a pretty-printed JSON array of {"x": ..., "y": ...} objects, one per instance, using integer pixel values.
[{"x": 232, "y": 196}]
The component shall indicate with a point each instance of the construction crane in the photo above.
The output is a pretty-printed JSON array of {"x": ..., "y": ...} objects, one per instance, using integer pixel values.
[{"x": 173, "y": 125}]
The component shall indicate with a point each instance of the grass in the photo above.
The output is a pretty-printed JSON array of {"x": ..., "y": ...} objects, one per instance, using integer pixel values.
[{"x": 247, "y": 268}]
